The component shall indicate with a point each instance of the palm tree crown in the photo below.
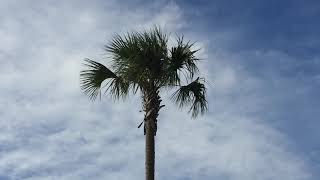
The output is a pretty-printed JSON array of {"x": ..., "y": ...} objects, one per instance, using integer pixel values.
[{"x": 142, "y": 61}]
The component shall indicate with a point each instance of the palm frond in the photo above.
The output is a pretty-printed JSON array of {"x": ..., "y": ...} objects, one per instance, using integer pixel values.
[
  {"x": 118, "y": 88},
  {"x": 138, "y": 53},
  {"x": 182, "y": 57},
  {"x": 92, "y": 78},
  {"x": 193, "y": 94}
]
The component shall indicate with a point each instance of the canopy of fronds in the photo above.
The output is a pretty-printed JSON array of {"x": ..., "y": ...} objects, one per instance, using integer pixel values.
[{"x": 142, "y": 59}]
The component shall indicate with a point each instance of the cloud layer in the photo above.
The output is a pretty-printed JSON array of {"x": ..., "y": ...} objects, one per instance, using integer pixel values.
[{"x": 50, "y": 130}]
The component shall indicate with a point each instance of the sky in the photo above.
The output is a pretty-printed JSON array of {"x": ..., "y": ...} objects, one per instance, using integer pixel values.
[{"x": 261, "y": 60}]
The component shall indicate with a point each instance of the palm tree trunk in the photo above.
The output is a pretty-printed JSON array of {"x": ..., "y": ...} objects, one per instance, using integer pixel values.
[
  {"x": 150, "y": 153},
  {"x": 151, "y": 101}
]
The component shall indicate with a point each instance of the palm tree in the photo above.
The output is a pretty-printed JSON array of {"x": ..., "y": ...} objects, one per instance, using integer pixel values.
[{"x": 142, "y": 61}]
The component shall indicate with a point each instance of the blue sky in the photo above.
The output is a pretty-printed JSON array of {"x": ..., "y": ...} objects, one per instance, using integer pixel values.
[{"x": 261, "y": 59}]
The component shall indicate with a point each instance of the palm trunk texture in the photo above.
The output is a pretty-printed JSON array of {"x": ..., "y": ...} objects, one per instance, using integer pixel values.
[
  {"x": 150, "y": 154},
  {"x": 151, "y": 108}
]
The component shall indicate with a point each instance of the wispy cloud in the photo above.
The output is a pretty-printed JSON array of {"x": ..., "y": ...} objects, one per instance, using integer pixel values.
[{"x": 50, "y": 130}]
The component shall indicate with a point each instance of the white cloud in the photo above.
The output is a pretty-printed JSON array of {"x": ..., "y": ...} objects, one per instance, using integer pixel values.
[{"x": 50, "y": 130}]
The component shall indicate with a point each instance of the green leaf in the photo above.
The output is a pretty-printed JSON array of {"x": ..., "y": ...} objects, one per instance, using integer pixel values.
[
  {"x": 139, "y": 55},
  {"x": 193, "y": 94},
  {"x": 118, "y": 88},
  {"x": 182, "y": 58},
  {"x": 92, "y": 78}
]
